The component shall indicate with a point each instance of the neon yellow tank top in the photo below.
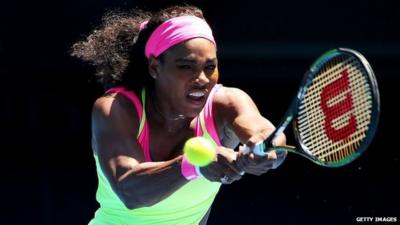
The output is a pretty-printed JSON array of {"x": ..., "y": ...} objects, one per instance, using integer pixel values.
[{"x": 187, "y": 205}]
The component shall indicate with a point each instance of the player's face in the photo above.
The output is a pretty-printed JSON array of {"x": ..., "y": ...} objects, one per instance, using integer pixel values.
[{"x": 186, "y": 74}]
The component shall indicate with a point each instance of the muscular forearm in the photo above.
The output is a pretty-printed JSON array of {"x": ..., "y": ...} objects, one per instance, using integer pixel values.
[
  {"x": 251, "y": 129},
  {"x": 150, "y": 182}
]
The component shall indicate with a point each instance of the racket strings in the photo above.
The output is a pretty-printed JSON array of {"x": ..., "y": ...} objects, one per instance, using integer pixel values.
[
  {"x": 349, "y": 145},
  {"x": 339, "y": 121},
  {"x": 363, "y": 120},
  {"x": 311, "y": 118},
  {"x": 341, "y": 151}
]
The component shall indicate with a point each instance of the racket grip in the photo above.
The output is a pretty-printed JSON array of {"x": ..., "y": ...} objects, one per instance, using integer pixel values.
[{"x": 258, "y": 149}]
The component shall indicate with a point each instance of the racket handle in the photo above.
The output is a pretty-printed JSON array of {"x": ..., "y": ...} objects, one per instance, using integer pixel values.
[{"x": 258, "y": 149}]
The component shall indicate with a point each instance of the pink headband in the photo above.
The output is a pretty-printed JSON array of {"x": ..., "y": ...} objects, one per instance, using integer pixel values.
[{"x": 175, "y": 31}]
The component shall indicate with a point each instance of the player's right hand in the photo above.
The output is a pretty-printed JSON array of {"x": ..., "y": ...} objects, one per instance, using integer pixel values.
[{"x": 224, "y": 168}]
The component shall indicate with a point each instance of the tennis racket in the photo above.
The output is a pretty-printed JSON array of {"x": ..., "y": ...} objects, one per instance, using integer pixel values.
[{"x": 335, "y": 113}]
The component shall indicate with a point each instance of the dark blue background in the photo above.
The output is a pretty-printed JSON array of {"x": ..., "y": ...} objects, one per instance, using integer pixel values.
[{"x": 48, "y": 173}]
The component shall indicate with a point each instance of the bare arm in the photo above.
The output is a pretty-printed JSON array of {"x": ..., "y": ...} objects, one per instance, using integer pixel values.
[
  {"x": 137, "y": 183},
  {"x": 237, "y": 111}
]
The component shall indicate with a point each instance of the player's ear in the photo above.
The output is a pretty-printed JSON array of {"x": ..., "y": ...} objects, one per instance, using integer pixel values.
[{"x": 154, "y": 67}]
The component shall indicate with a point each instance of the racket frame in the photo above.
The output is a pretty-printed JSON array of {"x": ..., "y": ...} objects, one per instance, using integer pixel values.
[{"x": 292, "y": 112}]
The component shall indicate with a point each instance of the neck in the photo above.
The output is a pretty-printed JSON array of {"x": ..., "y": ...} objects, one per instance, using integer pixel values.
[{"x": 171, "y": 120}]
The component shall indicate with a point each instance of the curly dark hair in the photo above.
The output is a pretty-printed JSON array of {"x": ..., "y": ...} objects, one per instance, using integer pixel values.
[{"x": 116, "y": 48}]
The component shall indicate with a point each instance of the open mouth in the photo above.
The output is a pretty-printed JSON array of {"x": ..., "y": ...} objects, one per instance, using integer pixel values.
[{"x": 197, "y": 97}]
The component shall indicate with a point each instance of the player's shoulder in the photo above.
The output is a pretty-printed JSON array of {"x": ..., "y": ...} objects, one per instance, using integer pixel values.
[
  {"x": 112, "y": 106},
  {"x": 230, "y": 102},
  {"x": 230, "y": 95},
  {"x": 103, "y": 104}
]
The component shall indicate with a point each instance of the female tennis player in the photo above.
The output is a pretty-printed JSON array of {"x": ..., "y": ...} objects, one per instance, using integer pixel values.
[{"x": 161, "y": 72}]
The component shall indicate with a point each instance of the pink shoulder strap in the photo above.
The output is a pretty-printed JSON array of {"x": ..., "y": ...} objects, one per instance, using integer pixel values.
[
  {"x": 207, "y": 116},
  {"x": 143, "y": 132}
]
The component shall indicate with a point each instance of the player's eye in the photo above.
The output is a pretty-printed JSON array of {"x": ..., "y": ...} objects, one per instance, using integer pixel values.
[
  {"x": 210, "y": 67},
  {"x": 184, "y": 67}
]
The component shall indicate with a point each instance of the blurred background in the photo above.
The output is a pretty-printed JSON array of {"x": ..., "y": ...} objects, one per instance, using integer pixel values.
[{"x": 48, "y": 172}]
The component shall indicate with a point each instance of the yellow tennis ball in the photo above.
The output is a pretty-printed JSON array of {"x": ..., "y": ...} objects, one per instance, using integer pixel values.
[{"x": 199, "y": 151}]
